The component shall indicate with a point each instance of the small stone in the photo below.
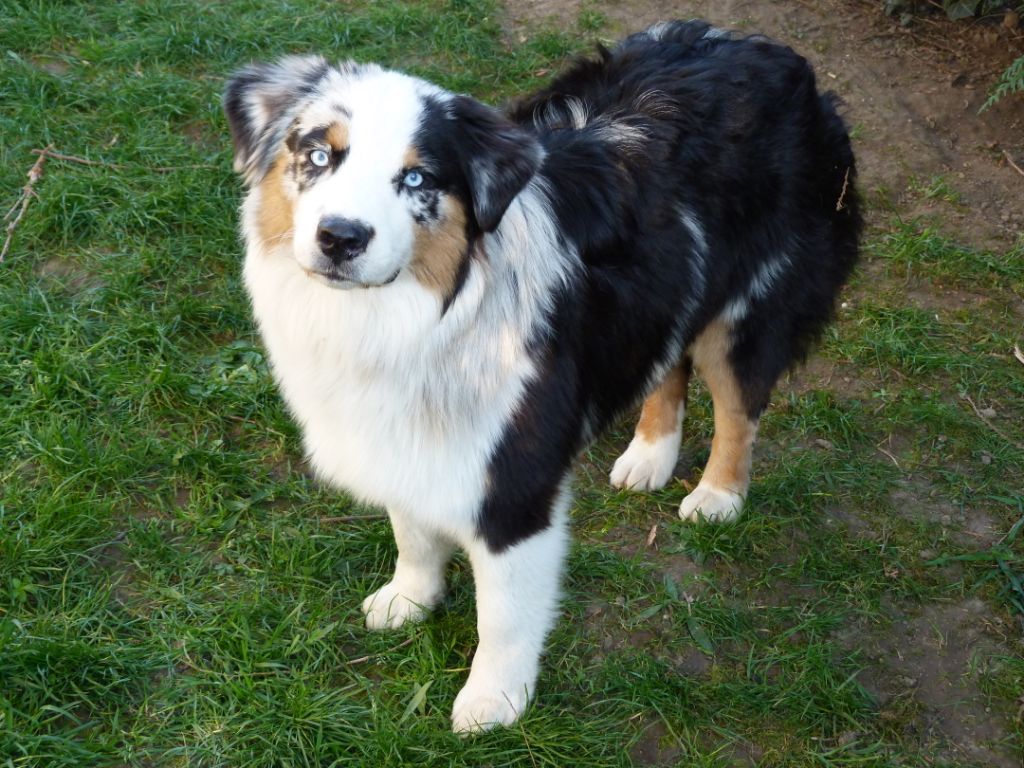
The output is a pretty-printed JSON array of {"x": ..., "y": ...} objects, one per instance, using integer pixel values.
[
  {"x": 910, "y": 682},
  {"x": 849, "y": 737},
  {"x": 823, "y": 444},
  {"x": 927, "y": 554},
  {"x": 986, "y": 458},
  {"x": 988, "y": 413}
]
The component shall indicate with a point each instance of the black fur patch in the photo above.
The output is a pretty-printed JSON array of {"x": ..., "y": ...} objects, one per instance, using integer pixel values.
[
  {"x": 735, "y": 163},
  {"x": 493, "y": 157},
  {"x": 425, "y": 205},
  {"x": 531, "y": 463}
]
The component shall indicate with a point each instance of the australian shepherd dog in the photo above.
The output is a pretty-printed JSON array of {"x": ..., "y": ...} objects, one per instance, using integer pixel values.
[{"x": 456, "y": 299}]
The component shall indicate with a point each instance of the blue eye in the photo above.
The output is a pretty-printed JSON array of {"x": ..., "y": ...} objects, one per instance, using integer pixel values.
[
  {"x": 319, "y": 158},
  {"x": 413, "y": 179}
]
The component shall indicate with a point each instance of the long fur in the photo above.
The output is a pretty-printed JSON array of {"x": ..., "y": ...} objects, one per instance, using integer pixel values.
[{"x": 554, "y": 264}]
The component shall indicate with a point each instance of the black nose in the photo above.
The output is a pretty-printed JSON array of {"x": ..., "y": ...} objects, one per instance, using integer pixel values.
[{"x": 342, "y": 239}]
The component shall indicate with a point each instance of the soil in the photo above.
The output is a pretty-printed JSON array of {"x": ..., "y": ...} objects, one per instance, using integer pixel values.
[
  {"x": 930, "y": 664},
  {"x": 912, "y": 90}
]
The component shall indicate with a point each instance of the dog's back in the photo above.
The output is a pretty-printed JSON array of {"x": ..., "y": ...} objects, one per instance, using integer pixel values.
[{"x": 702, "y": 178}]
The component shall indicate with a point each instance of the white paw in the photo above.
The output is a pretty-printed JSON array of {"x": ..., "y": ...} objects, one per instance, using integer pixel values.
[
  {"x": 716, "y": 505},
  {"x": 646, "y": 466},
  {"x": 391, "y": 606},
  {"x": 478, "y": 709}
]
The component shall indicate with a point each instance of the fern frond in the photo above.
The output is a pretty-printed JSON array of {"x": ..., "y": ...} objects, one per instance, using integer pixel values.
[{"x": 1011, "y": 81}]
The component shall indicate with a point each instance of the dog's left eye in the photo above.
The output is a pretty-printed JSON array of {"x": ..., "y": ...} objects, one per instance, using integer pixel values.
[
  {"x": 320, "y": 158},
  {"x": 413, "y": 179}
]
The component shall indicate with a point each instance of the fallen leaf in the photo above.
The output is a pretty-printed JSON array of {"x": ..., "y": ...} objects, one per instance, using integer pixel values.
[
  {"x": 671, "y": 588},
  {"x": 419, "y": 698},
  {"x": 700, "y": 637}
]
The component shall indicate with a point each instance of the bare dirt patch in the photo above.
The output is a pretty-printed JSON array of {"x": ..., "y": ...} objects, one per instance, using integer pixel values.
[
  {"x": 846, "y": 380},
  {"x": 924, "y": 672},
  {"x": 71, "y": 276},
  {"x": 972, "y": 528}
]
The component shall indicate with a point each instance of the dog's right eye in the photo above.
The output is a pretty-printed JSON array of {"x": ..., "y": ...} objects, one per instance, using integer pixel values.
[{"x": 320, "y": 158}]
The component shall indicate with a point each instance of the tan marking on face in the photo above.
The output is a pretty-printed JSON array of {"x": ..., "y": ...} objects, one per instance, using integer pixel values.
[
  {"x": 276, "y": 217},
  {"x": 412, "y": 158},
  {"x": 337, "y": 136},
  {"x": 732, "y": 446},
  {"x": 661, "y": 410},
  {"x": 439, "y": 249}
]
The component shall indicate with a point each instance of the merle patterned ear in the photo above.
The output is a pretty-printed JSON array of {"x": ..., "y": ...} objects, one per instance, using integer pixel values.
[
  {"x": 258, "y": 102},
  {"x": 497, "y": 156}
]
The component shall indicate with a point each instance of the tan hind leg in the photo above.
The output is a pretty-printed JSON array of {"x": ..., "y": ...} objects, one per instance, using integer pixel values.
[
  {"x": 651, "y": 457},
  {"x": 723, "y": 486}
]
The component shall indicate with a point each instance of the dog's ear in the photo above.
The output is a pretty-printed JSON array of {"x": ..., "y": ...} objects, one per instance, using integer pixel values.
[
  {"x": 497, "y": 157},
  {"x": 258, "y": 102}
]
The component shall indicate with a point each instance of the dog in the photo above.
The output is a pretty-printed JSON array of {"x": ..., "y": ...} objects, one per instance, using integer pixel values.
[{"x": 457, "y": 299}]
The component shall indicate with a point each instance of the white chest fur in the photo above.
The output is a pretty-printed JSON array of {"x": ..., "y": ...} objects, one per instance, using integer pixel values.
[
  {"x": 398, "y": 406},
  {"x": 390, "y": 409}
]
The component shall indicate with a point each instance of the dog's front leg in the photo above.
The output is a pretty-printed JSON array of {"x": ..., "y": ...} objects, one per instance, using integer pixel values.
[
  {"x": 517, "y": 592},
  {"x": 418, "y": 584}
]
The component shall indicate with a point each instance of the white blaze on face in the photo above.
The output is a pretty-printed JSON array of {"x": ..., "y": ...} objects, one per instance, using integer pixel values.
[{"x": 381, "y": 111}]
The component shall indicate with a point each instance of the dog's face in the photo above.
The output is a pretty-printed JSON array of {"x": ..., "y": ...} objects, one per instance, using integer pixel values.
[{"x": 361, "y": 173}]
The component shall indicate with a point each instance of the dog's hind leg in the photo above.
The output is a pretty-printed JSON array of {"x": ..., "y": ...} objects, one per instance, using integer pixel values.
[
  {"x": 719, "y": 495},
  {"x": 418, "y": 584},
  {"x": 651, "y": 456}
]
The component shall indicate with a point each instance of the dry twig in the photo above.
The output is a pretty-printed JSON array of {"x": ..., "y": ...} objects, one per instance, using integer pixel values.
[
  {"x": 27, "y": 193},
  {"x": 50, "y": 152},
  {"x": 350, "y": 519},
  {"x": 117, "y": 166},
  {"x": 1015, "y": 167},
  {"x": 364, "y": 659},
  {"x": 842, "y": 193},
  {"x": 992, "y": 426},
  {"x": 891, "y": 457}
]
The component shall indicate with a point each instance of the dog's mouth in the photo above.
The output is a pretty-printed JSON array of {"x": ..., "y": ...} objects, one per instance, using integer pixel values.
[{"x": 334, "y": 279}]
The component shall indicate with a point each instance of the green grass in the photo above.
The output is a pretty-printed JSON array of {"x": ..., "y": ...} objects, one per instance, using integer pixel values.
[{"x": 174, "y": 592}]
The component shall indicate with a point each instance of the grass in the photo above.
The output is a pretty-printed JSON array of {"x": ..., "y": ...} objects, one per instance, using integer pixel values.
[{"x": 173, "y": 591}]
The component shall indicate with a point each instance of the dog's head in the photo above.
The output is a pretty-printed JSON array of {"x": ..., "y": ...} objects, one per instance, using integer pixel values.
[{"x": 360, "y": 172}]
